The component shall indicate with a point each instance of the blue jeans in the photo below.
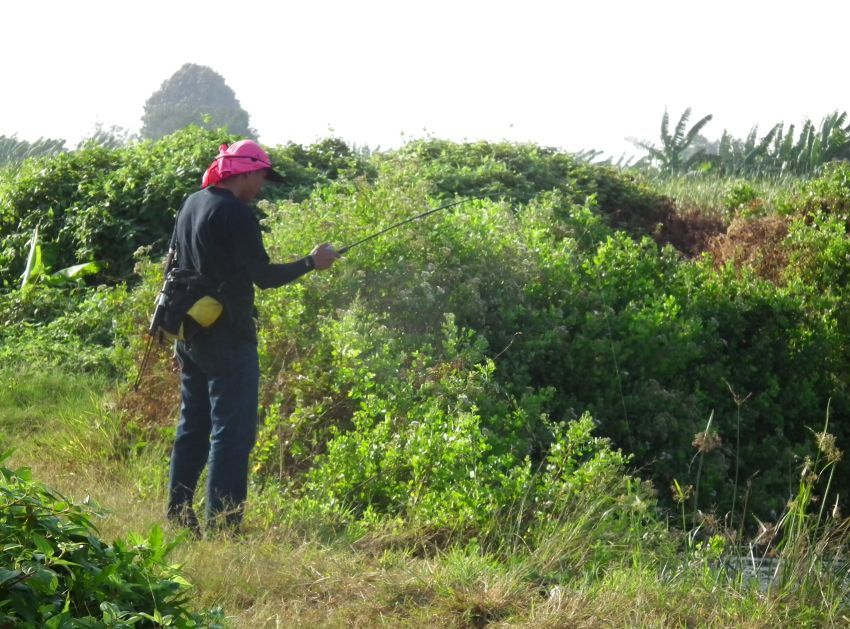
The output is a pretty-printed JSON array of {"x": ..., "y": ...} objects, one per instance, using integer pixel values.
[{"x": 220, "y": 378}]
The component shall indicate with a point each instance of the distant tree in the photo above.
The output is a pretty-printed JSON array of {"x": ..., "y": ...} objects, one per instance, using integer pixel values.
[
  {"x": 703, "y": 144},
  {"x": 196, "y": 95}
]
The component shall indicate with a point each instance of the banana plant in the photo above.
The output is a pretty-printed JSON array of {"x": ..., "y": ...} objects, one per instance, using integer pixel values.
[
  {"x": 35, "y": 269},
  {"x": 815, "y": 147},
  {"x": 750, "y": 157},
  {"x": 672, "y": 156},
  {"x": 778, "y": 153}
]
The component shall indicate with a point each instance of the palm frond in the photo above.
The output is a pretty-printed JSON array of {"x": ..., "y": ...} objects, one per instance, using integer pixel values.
[
  {"x": 679, "y": 134},
  {"x": 698, "y": 126},
  {"x": 665, "y": 128}
]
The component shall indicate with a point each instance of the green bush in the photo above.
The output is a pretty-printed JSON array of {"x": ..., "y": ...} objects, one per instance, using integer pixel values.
[
  {"x": 519, "y": 172},
  {"x": 308, "y": 167},
  {"x": 69, "y": 326},
  {"x": 101, "y": 204},
  {"x": 572, "y": 314},
  {"x": 431, "y": 436},
  {"x": 56, "y": 572},
  {"x": 829, "y": 193},
  {"x": 741, "y": 196}
]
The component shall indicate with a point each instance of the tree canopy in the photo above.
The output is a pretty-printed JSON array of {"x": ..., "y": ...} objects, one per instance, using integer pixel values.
[{"x": 198, "y": 95}]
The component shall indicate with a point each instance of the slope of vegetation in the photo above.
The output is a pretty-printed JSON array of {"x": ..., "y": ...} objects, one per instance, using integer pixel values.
[{"x": 568, "y": 386}]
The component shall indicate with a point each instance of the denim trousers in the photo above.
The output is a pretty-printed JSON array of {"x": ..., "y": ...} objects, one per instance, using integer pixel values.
[{"x": 219, "y": 383}]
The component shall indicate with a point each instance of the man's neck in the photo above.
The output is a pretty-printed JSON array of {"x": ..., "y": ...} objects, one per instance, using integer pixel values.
[{"x": 231, "y": 184}]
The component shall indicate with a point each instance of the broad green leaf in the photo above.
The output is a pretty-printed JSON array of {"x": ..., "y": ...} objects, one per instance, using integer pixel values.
[
  {"x": 33, "y": 259},
  {"x": 43, "y": 546},
  {"x": 156, "y": 537},
  {"x": 78, "y": 270},
  {"x": 59, "y": 620},
  {"x": 8, "y": 575},
  {"x": 43, "y": 580}
]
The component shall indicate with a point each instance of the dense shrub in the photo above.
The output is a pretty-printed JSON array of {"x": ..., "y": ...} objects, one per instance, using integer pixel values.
[
  {"x": 56, "y": 572},
  {"x": 829, "y": 193},
  {"x": 519, "y": 172},
  {"x": 101, "y": 204},
  {"x": 568, "y": 310},
  {"x": 69, "y": 326},
  {"x": 308, "y": 167}
]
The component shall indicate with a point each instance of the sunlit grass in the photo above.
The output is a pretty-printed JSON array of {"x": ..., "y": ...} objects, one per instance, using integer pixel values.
[
  {"x": 36, "y": 401},
  {"x": 715, "y": 196}
]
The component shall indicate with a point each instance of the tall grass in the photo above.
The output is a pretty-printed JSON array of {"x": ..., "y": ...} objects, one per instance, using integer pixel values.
[{"x": 719, "y": 196}]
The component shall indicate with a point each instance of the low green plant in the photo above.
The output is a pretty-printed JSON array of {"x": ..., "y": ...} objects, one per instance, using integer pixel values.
[
  {"x": 742, "y": 197},
  {"x": 64, "y": 324},
  {"x": 55, "y": 571},
  {"x": 420, "y": 443}
]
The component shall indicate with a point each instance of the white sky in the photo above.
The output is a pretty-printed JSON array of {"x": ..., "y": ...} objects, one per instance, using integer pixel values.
[{"x": 574, "y": 75}]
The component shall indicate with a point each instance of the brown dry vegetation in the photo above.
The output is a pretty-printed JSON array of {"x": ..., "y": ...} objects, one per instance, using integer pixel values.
[
  {"x": 156, "y": 402},
  {"x": 689, "y": 232},
  {"x": 754, "y": 243}
]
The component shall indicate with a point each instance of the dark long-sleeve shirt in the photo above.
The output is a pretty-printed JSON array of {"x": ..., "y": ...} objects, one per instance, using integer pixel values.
[{"x": 219, "y": 236}]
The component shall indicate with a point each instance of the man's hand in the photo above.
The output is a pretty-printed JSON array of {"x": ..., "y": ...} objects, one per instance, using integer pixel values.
[{"x": 323, "y": 256}]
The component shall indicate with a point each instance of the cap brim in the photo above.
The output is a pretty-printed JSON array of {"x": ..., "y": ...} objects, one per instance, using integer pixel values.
[{"x": 274, "y": 176}]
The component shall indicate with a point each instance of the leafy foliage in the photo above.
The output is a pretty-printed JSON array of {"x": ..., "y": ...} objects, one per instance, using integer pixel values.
[
  {"x": 194, "y": 95},
  {"x": 518, "y": 173},
  {"x": 65, "y": 325},
  {"x": 673, "y": 155},
  {"x": 100, "y": 204},
  {"x": 55, "y": 571},
  {"x": 112, "y": 137},
  {"x": 308, "y": 167},
  {"x": 777, "y": 153},
  {"x": 574, "y": 316}
]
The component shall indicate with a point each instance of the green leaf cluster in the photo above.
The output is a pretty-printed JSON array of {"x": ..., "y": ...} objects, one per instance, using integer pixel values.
[
  {"x": 518, "y": 172},
  {"x": 573, "y": 314},
  {"x": 56, "y": 572},
  {"x": 14, "y": 151},
  {"x": 100, "y": 204}
]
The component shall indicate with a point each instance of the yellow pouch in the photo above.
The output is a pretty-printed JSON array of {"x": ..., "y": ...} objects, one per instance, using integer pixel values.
[{"x": 206, "y": 311}]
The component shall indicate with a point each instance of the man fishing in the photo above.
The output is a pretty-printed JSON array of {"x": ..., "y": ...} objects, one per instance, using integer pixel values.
[{"x": 218, "y": 235}]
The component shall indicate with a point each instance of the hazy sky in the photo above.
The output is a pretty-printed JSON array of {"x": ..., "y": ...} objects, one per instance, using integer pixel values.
[{"x": 573, "y": 75}]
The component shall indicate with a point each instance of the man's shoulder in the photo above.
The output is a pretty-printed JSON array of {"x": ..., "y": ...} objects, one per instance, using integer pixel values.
[
  {"x": 214, "y": 198},
  {"x": 216, "y": 205}
]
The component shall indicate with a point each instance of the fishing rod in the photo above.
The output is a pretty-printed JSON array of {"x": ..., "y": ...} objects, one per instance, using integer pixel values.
[{"x": 345, "y": 249}]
